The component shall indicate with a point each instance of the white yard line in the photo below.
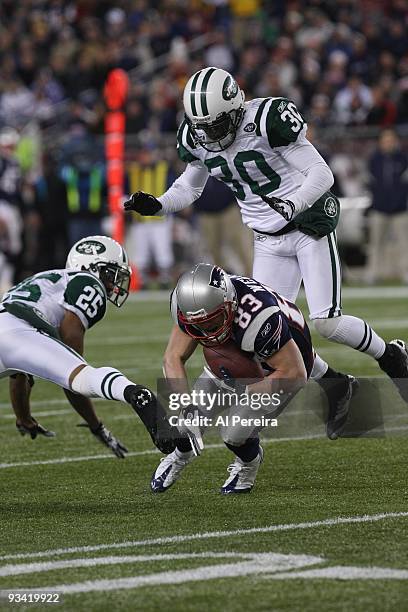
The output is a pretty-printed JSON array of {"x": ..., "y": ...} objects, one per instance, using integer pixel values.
[
  {"x": 178, "y": 539},
  {"x": 339, "y": 572}
]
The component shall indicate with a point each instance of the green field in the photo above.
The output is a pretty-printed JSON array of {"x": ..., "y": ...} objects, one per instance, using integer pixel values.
[{"x": 324, "y": 528}]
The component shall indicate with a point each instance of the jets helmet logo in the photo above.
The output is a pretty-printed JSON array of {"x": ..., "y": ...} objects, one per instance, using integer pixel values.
[
  {"x": 229, "y": 89},
  {"x": 91, "y": 247},
  {"x": 330, "y": 207}
]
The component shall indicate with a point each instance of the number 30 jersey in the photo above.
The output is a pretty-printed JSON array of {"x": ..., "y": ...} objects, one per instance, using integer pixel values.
[
  {"x": 53, "y": 292},
  {"x": 266, "y": 158}
]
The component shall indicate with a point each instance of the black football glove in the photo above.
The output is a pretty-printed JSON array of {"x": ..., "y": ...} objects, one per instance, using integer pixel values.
[
  {"x": 286, "y": 208},
  {"x": 105, "y": 436},
  {"x": 231, "y": 382},
  {"x": 143, "y": 203},
  {"x": 193, "y": 432}
]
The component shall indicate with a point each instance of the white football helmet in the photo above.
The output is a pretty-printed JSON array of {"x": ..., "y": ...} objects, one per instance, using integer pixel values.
[
  {"x": 214, "y": 107},
  {"x": 108, "y": 260}
]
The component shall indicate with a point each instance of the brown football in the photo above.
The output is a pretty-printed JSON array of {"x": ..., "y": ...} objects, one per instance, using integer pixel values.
[{"x": 231, "y": 357}]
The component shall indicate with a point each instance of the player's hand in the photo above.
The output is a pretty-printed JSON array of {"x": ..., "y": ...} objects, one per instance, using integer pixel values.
[
  {"x": 143, "y": 203},
  {"x": 193, "y": 432},
  {"x": 104, "y": 435},
  {"x": 285, "y": 208},
  {"x": 232, "y": 383}
]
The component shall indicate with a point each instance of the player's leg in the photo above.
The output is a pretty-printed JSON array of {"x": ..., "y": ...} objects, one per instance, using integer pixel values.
[
  {"x": 319, "y": 262},
  {"x": 163, "y": 249},
  {"x": 276, "y": 265}
]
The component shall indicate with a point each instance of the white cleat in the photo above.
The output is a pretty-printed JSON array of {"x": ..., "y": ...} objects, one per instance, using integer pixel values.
[
  {"x": 242, "y": 475},
  {"x": 169, "y": 470}
]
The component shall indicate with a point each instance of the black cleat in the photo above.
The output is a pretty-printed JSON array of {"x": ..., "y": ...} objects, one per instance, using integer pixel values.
[
  {"x": 394, "y": 362},
  {"x": 35, "y": 430},
  {"x": 153, "y": 417},
  {"x": 339, "y": 397}
]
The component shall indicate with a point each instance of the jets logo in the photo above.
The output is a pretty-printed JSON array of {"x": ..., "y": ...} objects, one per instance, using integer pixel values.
[
  {"x": 91, "y": 247},
  {"x": 330, "y": 207},
  {"x": 282, "y": 106},
  {"x": 229, "y": 89},
  {"x": 250, "y": 127}
]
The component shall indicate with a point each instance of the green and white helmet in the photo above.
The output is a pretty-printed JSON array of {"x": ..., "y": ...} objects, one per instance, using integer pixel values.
[
  {"x": 214, "y": 107},
  {"x": 106, "y": 259}
]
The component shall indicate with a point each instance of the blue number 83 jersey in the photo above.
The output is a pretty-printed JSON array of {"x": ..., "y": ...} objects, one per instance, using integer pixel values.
[{"x": 266, "y": 321}]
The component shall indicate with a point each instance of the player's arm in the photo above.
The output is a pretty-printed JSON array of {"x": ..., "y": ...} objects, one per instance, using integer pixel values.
[
  {"x": 289, "y": 372},
  {"x": 183, "y": 192},
  {"x": 179, "y": 349}
]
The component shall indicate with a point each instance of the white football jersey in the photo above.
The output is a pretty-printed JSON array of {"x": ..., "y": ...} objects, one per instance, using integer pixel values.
[
  {"x": 254, "y": 165},
  {"x": 53, "y": 292}
]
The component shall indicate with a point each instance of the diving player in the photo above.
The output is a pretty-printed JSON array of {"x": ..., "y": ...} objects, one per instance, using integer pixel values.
[
  {"x": 259, "y": 148},
  {"x": 43, "y": 321},
  {"x": 209, "y": 307}
]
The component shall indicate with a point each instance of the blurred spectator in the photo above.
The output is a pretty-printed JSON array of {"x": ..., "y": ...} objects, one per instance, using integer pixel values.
[
  {"x": 353, "y": 102},
  {"x": 388, "y": 218},
  {"x": 222, "y": 228},
  {"x": 149, "y": 238},
  {"x": 383, "y": 111},
  {"x": 11, "y": 226},
  {"x": 51, "y": 205},
  {"x": 85, "y": 180}
]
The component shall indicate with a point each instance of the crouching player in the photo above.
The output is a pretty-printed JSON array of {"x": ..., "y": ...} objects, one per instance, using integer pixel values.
[
  {"x": 209, "y": 307},
  {"x": 43, "y": 321}
]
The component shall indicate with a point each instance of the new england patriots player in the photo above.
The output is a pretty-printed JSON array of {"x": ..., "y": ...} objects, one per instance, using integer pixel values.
[
  {"x": 43, "y": 321},
  {"x": 209, "y": 307},
  {"x": 259, "y": 148}
]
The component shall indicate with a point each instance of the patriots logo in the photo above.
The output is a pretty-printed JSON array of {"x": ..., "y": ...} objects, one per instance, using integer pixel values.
[{"x": 217, "y": 278}]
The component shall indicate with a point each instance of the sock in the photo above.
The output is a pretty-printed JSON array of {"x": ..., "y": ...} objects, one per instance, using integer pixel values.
[
  {"x": 357, "y": 334},
  {"x": 247, "y": 451},
  {"x": 319, "y": 369},
  {"x": 183, "y": 445},
  {"x": 105, "y": 383},
  {"x": 182, "y": 454}
]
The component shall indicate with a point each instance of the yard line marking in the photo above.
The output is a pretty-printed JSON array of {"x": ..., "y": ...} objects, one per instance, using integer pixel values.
[
  {"x": 251, "y": 563},
  {"x": 178, "y": 539},
  {"x": 338, "y": 572},
  {"x": 61, "y": 460}
]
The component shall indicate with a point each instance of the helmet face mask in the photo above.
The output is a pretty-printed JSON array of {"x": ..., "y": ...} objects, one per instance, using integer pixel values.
[
  {"x": 204, "y": 303},
  {"x": 214, "y": 108},
  {"x": 106, "y": 259}
]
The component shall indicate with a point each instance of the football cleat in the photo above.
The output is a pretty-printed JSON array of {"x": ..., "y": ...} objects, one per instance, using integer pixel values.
[
  {"x": 169, "y": 470},
  {"x": 35, "y": 430},
  {"x": 153, "y": 417},
  {"x": 242, "y": 475},
  {"x": 394, "y": 362},
  {"x": 339, "y": 397}
]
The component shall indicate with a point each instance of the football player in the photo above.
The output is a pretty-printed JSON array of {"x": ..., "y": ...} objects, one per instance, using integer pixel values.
[
  {"x": 43, "y": 321},
  {"x": 259, "y": 148},
  {"x": 209, "y": 307}
]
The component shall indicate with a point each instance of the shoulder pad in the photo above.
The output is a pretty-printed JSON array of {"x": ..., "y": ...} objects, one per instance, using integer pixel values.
[{"x": 283, "y": 122}]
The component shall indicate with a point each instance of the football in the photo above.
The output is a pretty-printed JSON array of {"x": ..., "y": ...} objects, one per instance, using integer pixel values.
[{"x": 231, "y": 357}]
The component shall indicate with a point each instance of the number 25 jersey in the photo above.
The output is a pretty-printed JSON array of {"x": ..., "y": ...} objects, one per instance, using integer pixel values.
[{"x": 53, "y": 292}]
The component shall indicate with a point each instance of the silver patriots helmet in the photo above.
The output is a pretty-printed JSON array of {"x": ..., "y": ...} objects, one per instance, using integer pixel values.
[{"x": 204, "y": 302}]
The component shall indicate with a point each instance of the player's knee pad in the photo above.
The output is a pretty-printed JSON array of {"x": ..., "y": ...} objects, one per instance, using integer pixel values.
[{"x": 328, "y": 327}]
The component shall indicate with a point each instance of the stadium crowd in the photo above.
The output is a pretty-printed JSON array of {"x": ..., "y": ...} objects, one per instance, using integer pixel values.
[{"x": 343, "y": 62}]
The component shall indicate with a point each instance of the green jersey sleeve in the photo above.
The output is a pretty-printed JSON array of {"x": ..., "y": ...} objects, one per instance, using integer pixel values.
[
  {"x": 284, "y": 123},
  {"x": 86, "y": 297},
  {"x": 185, "y": 144}
]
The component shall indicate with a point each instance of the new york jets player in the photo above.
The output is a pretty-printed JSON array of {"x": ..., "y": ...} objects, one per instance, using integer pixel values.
[
  {"x": 209, "y": 307},
  {"x": 43, "y": 321},
  {"x": 259, "y": 148}
]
